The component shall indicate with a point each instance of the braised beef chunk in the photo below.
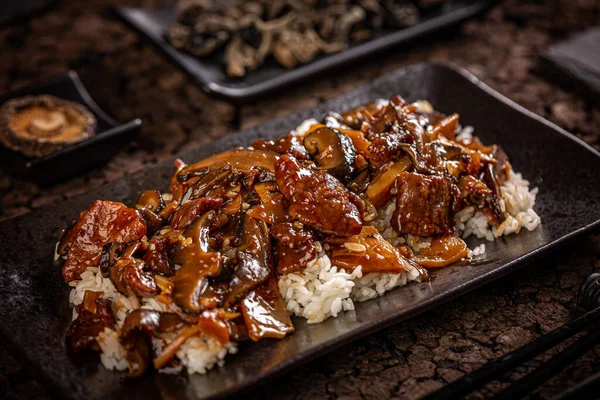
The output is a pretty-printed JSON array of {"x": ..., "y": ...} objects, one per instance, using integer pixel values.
[
  {"x": 94, "y": 314},
  {"x": 372, "y": 118},
  {"x": 388, "y": 147},
  {"x": 289, "y": 144},
  {"x": 294, "y": 247},
  {"x": 317, "y": 199},
  {"x": 423, "y": 205},
  {"x": 104, "y": 222}
]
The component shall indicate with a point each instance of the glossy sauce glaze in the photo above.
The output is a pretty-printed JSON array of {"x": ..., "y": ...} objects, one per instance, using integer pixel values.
[{"x": 211, "y": 251}]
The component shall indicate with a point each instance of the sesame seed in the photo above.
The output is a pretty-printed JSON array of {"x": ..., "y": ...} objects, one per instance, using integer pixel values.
[{"x": 355, "y": 247}]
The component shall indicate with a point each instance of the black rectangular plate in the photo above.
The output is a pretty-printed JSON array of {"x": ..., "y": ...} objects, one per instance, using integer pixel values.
[
  {"x": 111, "y": 136},
  {"x": 209, "y": 73},
  {"x": 34, "y": 302},
  {"x": 575, "y": 64}
]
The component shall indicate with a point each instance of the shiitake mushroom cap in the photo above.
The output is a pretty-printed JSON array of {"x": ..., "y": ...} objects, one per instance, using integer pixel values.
[
  {"x": 331, "y": 151},
  {"x": 39, "y": 125}
]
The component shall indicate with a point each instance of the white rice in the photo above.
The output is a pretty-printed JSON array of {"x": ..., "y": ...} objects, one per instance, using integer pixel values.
[
  {"x": 303, "y": 128},
  {"x": 112, "y": 353},
  {"x": 322, "y": 290},
  {"x": 517, "y": 204},
  {"x": 199, "y": 353},
  {"x": 92, "y": 279}
]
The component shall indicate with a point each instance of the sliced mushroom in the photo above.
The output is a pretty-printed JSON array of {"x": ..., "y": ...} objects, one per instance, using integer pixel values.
[
  {"x": 139, "y": 328},
  {"x": 502, "y": 165},
  {"x": 197, "y": 263},
  {"x": 206, "y": 182},
  {"x": 153, "y": 222},
  {"x": 254, "y": 260},
  {"x": 66, "y": 237},
  {"x": 331, "y": 151},
  {"x": 360, "y": 183},
  {"x": 127, "y": 274},
  {"x": 151, "y": 200},
  {"x": 379, "y": 190},
  {"x": 265, "y": 314},
  {"x": 495, "y": 212},
  {"x": 242, "y": 159}
]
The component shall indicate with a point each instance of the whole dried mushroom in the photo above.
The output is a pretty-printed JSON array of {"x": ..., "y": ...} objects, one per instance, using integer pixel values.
[
  {"x": 293, "y": 32},
  {"x": 39, "y": 125}
]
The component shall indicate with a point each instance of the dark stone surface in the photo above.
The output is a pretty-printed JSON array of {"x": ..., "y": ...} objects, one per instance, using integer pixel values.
[{"x": 130, "y": 80}]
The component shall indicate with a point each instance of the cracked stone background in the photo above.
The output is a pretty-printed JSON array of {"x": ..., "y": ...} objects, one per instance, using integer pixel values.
[{"x": 129, "y": 79}]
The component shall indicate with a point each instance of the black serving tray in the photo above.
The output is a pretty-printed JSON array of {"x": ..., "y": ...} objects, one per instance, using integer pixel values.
[
  {"x": 209, "y": 72},
  {"x": 574, "y": 64},
  {"x": 111, "y": 136},
  {"x": 35, "y": 300}
]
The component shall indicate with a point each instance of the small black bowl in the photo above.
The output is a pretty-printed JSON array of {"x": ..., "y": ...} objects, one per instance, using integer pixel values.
[{"x": 110, "y": 137}]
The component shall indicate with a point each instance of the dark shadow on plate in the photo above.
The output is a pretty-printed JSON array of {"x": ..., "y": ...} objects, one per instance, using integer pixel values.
[
  {"x": 209, "y": 72},
  {"x": 111, "y": 136}
]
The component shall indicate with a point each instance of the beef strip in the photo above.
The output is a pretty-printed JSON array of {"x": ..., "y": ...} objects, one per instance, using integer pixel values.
[
  {"x": 317, "y": 199},
  {"x": 423, "y": 205},
  {"x": 294, "y": 247},
  {"x": 104, "y": 222}
]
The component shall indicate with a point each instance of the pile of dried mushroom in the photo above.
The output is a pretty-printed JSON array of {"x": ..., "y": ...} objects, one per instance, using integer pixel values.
[{"x": 292, "y": 31}]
